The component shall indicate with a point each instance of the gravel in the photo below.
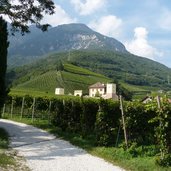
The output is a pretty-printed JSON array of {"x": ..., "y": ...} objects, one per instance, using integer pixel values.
[{"x": 45, "y": 152}]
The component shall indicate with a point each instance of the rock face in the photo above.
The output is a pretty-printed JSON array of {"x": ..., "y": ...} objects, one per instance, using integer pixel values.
[{"x": 61, "y": 38}]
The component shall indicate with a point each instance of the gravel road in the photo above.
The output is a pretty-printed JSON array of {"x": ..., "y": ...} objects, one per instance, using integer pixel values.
[{"x": 45, "y": 152}]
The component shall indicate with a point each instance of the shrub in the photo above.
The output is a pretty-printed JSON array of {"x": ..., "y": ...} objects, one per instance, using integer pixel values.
[
  {"x": 137, "y": 123},
  {"x": 88, "y": 118},
  {"x": 107, "y": 122}
]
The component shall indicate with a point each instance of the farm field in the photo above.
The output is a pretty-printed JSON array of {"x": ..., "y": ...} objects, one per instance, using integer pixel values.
[{"x": 71, "y": 78}]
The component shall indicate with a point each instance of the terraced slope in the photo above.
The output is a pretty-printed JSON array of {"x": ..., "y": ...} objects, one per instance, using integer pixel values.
[{"x": 71, "y": 78}]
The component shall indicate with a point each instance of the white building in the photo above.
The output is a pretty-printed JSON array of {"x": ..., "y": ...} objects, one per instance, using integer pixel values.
[
  {"x": 78, "y": 93},
  {"x": 97, "y": 89},
  {"x": 110, "y": 88},
  {"x": 59, "y": 91},
  {"x": 106, "y": 91}
]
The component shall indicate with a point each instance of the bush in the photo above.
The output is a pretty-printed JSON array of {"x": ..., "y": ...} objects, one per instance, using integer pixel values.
[
  {"x": 137, "y": 123},
  {"x": 165, "y": 161},
  {"x": 107, "y": 122},
  {"x": 74, "y": 111},
  {"x": 89, "y": 110}
]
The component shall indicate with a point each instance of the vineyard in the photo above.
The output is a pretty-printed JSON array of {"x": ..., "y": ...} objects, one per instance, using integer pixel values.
[
  {"x": 71, "y": 78},
  {"x": 146, "y": 125}
]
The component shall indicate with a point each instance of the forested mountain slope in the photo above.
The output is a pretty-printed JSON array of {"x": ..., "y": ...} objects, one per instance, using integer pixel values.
[{"x": 127, "y": 69}]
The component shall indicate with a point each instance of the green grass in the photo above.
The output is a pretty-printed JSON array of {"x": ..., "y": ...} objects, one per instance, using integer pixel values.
[
  {"x": 5, "y": 159},
  {"x": 117, "y": 156}
]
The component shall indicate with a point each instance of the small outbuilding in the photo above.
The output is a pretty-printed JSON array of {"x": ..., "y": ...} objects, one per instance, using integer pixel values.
[
  {"x": 59, "y": 91},
  {"x": 78, "y": 93}
]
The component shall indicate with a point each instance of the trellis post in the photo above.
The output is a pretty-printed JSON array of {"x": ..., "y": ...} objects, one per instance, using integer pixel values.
[
  {"x": 123, "y": 121},
  {"x": 22, "y": 107},
  {"x": 50, "y": 104},
  {"x": 33, "y": 109},
  {"x": 3, "y": 111},
  {"x": 12, "y": 106}
]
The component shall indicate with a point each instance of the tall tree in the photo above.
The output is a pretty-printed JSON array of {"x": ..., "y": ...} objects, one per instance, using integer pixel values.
[
  {"x": 22, "y": 13},
  {"x": 3, "y": 54}
]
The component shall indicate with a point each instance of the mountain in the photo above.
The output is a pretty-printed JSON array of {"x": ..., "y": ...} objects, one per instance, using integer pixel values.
[
  {"x": 57, "y": 39},
  {"x": 83, "y": 47}
]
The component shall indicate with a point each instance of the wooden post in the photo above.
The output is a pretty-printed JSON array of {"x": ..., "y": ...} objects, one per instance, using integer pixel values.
[
  {"x": 63, "y": 102},
  {"x": 12, "y": 106},
  {"x": 33, "y": 110},
  {"x": 3, "y": 111},
  {"x": 50, "y": 104},
  {"x": 22, "y": 108},
  {"x": 159, "y": 107},
  {"x": 158, "y": 102},
  {"x": 123, "y": 121}
]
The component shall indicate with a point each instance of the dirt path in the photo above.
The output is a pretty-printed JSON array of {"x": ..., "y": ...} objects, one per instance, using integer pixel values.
[{"x": 44, "y": 152}]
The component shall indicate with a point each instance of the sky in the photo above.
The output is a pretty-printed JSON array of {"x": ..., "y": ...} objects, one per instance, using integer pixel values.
[{"x": 143, "y": 26}]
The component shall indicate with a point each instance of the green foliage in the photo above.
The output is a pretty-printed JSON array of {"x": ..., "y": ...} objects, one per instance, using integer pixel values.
[
  {"x": 163, "y": 133},
  {"x": 137, "y": 123},
  {"x": 127, "y": 68},
  {"x": 5, "y": 160},
  {"x": 165, "y": 161},
  {"x": 126, "y": 94},
  {"x": 107, "y": 122},
  {"x": 90, "y": 109},
  {"x": 150, "y": 124},
  {"x": 26, "y": 12},
  {"x": 60, "y": 66},
  {"x": 4, "y": 141}
]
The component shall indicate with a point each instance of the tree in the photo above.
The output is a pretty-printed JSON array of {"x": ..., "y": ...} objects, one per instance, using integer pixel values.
[
  {"x": 120, "y": 90},
  {"x": 26, "y": 12},
  {"x": 22, "y": 14},
  {"x": 3, "y": 64}
]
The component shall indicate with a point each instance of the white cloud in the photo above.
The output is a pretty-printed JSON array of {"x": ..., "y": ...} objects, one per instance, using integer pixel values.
[
  {"x": 140, "y": 45},
  {"x": 165, "y": 19},
  {"x": 60, "y": 17},
  {"x": 87, "y": 7},
  {"x": 108, "y": 25}
]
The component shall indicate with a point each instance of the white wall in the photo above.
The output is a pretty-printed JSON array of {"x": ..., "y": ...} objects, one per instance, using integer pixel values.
[
  {"x": 93, "y": 91},
  {"x": 78, "y": 93},
  {"x": 111, "y": 88},
  {"x": 59, "y": 91}
]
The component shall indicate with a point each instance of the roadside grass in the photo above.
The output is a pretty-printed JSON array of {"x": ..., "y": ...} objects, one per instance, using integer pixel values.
[
  {"x": 5, "y": 159},
  {"x": 117, "y": 156}
]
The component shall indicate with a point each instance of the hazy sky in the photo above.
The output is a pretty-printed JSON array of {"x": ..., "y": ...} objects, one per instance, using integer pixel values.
[{"x": 143, "y": 26}]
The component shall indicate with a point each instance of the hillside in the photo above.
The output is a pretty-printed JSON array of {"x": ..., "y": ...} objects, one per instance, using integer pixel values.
[
  {"x": 126, "y": 68},
  {"x": 138, "y": 75},
  {"x": 71, "y": 78}
]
